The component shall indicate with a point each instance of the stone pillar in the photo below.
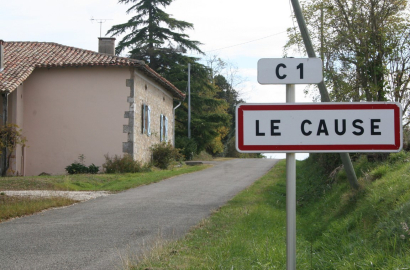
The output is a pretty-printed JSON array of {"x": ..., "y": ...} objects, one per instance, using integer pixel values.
[{"x": 128, "y": 147}]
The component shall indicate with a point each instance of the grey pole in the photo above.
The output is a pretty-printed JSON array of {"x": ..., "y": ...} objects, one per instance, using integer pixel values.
[
  {"x": 347, "y": 163},
  {"x": 189, "y": 101},
  {"x": 290, "y": 196}
]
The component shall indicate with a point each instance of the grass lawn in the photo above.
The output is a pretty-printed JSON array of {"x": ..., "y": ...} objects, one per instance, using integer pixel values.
[
  {"x": 14, "y": 206},
  {"x": 337, "y": 228},
  {"x": 94, "y": 182},
  {"x": 11, "y": 207}
]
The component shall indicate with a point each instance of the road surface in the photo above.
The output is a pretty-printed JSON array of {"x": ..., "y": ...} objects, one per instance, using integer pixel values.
[{"x": 96, "y": 234}]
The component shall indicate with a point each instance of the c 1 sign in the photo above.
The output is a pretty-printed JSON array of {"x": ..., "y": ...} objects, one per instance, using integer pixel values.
[
  {"x": 290, "y": 70},
  {"x": 319, "y": 127}
]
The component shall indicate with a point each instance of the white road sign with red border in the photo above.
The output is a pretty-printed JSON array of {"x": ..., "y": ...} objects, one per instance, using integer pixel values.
[{"x": 319, "y": 127}]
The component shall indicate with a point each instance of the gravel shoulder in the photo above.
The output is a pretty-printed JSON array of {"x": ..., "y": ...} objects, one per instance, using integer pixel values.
[{"x": 75, "y": 195}]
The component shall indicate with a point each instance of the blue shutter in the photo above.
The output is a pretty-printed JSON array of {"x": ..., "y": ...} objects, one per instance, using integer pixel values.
[
  {"x": 166, "y": 129},
  {"x": 143, "y": 118},
  {"x": 161, "y": 137},
  {"x": 149, "y": 122}
]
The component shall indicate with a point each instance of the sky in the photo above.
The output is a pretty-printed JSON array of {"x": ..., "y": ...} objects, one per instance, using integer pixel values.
[{"x": 238, "y": 32}]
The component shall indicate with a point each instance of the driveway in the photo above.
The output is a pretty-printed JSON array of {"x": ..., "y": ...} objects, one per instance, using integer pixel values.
[{"x": 96, "y": 234}]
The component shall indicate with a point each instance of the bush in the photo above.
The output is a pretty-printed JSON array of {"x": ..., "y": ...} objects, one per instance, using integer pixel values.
[
  {"x": 164, "y": 154},
  {"x": 327, "y": 162},
  {"x": 188, "y": 147},
  {"x": 125, "y": 164},
  {"x": 10, "y": 137},
  {"x": 77, "y": 168},
  {"x": 93, "y": 169}
]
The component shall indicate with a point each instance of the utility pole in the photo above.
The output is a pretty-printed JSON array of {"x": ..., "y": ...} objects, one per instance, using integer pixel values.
[
  {"x": 189, "y": 101},
  {"x": 347, "y": 163}
]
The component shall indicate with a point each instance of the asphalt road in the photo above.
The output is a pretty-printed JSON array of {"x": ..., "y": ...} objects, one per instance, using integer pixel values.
[{"x": 96, "y": 234}]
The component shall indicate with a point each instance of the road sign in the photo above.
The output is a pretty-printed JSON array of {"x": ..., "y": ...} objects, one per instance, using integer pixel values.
[
  {"x": 290, "y": 70},
  {"x": 319, "y": 127}
]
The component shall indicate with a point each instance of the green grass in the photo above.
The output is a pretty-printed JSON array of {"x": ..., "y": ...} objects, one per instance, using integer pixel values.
[
  {"x": 239, "y": 235},
  {"x": 12, "y": 207},
  {"x": 337, "y": 228},
  {"x": 95, "y": 182}
]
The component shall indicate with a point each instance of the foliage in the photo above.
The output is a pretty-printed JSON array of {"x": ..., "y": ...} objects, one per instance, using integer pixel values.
[
  {"x": 406, "y": 138},
  {"x": 326, "y": 162},
  {"x": 230, "y": 151},
  {"x": 188, "y": 147},
  {"x": 164, "y": 154},
  {"x": 10, "y": 137},
  {"x": 364, "y": 46},
  {"x": 208, "y": 112},
  {"x": 78, "y": 167},
  {"x": 155, "y": 37},
  {"x": 203, "y": 156},
  {"x": 93, "y": 169},
  {"x": 152, "y": 35},
  {"x": 124, "y": 164},
  {"x": 338, "y": 228}
]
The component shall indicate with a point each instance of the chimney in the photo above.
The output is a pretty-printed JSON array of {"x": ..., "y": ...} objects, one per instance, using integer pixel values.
[
  {"x": 1, "y": 55},
  {"x": 106, "y": 45}
]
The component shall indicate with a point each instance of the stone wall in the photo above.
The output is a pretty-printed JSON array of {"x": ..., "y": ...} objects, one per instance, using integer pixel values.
[{"x": 144, "y": 91}]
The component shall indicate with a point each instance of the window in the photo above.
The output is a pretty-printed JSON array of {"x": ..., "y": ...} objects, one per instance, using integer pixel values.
[
  {"x": 146, "y": 125},
  {"x": 163, "y": 128}
]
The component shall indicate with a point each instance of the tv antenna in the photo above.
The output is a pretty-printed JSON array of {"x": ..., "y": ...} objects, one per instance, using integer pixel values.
[{"x": 100, "y": 21}]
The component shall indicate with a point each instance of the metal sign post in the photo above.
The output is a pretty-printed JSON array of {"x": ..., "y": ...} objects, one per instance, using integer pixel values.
[
  {"x": 290, "y": 196},
  {"x": 305, "y": 128}
]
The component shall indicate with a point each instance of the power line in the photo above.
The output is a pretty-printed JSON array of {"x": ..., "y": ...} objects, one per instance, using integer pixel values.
[{"x": 246, "y": 42}]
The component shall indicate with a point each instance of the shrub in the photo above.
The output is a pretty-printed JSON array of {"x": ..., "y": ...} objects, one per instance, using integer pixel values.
[
  {"x": 93, "y": 169},
  {"x": 401, "y": 157},
  {"x": 10, "y": 137},
  {"x": 76, "y": 168},
  {"x": 163, "y": 154},
  {"x": 203, "y": 156},
  {"x": 188, "y": 147},
  {"x": 327, "y": 162},
  {"x": 125, "y": 164},
  {"x": 79, "y": 167}
]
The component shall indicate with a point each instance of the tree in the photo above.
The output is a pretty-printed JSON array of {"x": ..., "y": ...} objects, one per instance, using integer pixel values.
[
  {"x": 153, "y": 35},
  {"x": 364, "y": 46},
  {"x": 209, "y": 118},
  {"x": 10, "y": 137}
]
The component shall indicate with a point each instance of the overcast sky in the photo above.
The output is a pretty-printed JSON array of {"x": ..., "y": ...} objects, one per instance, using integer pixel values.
[{"x": 239, "y": 32}]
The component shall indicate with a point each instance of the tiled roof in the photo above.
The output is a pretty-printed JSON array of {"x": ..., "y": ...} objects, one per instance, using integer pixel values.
[{"x": 21, "y": 58}]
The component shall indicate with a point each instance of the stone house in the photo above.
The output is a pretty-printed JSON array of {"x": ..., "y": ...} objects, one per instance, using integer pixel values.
[{"x": 72, "y": 102}]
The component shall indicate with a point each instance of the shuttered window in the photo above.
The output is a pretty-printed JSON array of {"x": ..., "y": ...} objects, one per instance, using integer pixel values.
[
  {"x": 146, "y": 119},
  {"x": 163, "y": 128}
]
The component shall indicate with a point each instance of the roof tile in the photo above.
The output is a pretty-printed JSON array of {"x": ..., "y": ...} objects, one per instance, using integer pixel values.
[{"x": 21, "y": 58}]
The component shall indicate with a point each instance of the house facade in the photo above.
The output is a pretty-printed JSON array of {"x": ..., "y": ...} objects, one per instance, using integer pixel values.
[{"x": 70, "y": 102}]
